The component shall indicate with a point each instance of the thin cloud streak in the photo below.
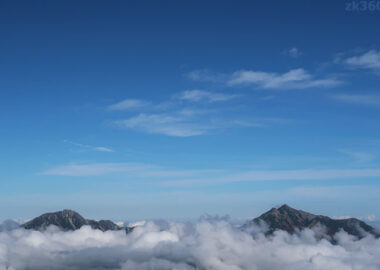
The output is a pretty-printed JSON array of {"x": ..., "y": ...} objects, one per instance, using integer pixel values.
[
  {"x": 135, "y": 169},
  {"x": 90, "y": 147},
  {"x": 365, "y": 100},
  {"x": 166, "y": 124},
  {"x": 284, "y": 175},
  {"x": 292, "y": 79},
  {"x": 201, "y": 95},
  {"x": 295, "y": 78},
  {"x": 128, "y": 104}
]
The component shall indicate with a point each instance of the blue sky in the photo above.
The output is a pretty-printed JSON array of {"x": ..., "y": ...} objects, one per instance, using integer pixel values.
[{"x": 173, "y": 109}]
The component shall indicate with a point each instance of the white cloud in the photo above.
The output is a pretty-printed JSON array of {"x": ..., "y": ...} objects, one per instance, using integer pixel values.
[
  {"x": 94, "y": 169},
  {"x": 368, "y": 60},
  {"x": 371, "y": 217},
  {"x": 103, "y": 149},
  {"x": 295, "y": 78},
  {"x": 191, "y": 122},
  {"x": 206, "y": 244},
  {"x": 294, "y": 52},
  {"x": 341, "y": 217},
  {"x": 128, "y": 104},
  {"x": 292, "y": 79},
  {"x": 131, "y": 169},
  {"x": 90, "y": 147},
  {"x": 166, "y": 124},
  {"x": 199, "y": 95},
  {"x": 365, "y": 100},
  {"x": 207, "y": 76},
  {"x": 283, "y": 175},
  {"x": 357, "y": 156}
]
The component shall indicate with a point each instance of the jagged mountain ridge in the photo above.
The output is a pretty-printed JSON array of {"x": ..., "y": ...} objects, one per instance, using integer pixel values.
[
  {"x": 68, "y": 220},
  {"x": 290, "y": 220}
]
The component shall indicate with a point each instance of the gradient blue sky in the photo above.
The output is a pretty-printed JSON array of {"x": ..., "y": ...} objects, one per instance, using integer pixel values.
[{"x": 173, "y": 109}]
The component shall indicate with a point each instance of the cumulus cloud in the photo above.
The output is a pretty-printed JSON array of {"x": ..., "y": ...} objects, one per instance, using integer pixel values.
[{"x": 204, "y": 245}]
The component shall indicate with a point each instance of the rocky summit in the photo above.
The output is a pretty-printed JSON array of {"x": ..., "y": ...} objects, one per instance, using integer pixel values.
[
  {"x": 291, "y": 220},
  {"x": 68, "y": 220}
]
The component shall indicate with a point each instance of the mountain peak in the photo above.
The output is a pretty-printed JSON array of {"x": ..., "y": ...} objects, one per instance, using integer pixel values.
[
  {"x": 291, "y": 220},
  {"x": 286, "y": 207},
  {"x": 68, "y": 220}
]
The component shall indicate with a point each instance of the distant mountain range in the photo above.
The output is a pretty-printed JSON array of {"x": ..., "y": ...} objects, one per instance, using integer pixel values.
[
  {"x": 283, "y": 218},
  {"x": 69, "y": 220},
  {"x": 292, "y": 220}
]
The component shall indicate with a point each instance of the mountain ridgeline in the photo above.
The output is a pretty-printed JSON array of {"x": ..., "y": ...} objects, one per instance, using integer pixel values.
[
  {"x": 283, "y": 218},
  {"x": 68, "y": 220},
  {"x": 291, "y": 220}
]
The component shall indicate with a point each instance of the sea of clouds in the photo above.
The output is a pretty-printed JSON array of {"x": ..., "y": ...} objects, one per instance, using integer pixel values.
[{"x": 203, "y": 245}]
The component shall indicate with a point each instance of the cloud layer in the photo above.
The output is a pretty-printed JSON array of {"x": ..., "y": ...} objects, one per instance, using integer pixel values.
[{"x": 207, "y": 244}]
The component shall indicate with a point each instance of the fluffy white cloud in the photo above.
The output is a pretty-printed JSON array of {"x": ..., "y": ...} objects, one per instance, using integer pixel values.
[{"x": 184, "y": 246}]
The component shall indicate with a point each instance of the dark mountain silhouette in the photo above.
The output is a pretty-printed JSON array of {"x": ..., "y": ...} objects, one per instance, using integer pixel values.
[
  {"x": 68, "y": 220},
  {"x": 292, "y": 220}
]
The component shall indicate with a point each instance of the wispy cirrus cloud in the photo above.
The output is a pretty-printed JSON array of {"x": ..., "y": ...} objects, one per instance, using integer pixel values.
[
  {"x": 192, "y": 122},
  {"x": 94, "y": 169},
  {"x": 135, "y": 169},
  {"x": 177, "y": 118},
  {"x": 358, "y": 156},
  {"x": 90, "y": 147},
  {"x": 368, "y": 60},
  {"x": 180, "y": 177},
  {"x": 177, "y": 125},
  {"x": 200, "y": 95},
  {"x": 284, "y": 175},
  {"x": 292, "y": 79},
  {"x": 365, "y": 100},
  {"x": 128, "y": 104},
  {"x": 205, "y": 75}
]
